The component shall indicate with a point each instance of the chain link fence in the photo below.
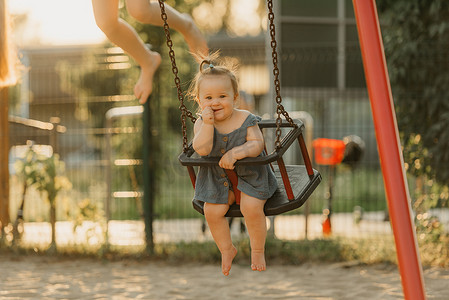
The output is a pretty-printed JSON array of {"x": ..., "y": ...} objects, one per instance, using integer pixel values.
[{"x": 90, "y": 92}]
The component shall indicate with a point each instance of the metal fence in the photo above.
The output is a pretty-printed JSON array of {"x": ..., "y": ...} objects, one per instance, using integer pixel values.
[{"x": 102, "y": 151}]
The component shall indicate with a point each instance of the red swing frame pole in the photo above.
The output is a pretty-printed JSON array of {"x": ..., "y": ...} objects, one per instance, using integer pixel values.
[{"x": 388, "y": 144}]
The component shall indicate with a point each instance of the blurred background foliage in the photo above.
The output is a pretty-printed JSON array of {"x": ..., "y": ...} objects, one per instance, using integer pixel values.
[{"x": 416, "y": 38}]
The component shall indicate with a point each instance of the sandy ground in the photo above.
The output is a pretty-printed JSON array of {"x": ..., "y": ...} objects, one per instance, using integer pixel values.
[{"x": 45, "y": 278}]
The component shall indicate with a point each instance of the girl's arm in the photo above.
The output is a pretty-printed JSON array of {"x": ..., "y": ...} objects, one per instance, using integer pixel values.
[
  {"x": 253, "y": 147},
  {"x": 204, "y": 137}
]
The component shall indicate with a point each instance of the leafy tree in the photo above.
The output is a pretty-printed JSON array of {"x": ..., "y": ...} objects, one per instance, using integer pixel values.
[
  {"x": 46, "y": 175},
  {"x": 416, "y": 36}
]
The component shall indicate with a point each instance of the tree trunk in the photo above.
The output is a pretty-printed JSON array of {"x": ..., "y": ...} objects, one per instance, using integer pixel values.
[
  {"x": 4, "y": 153},
  {"x": 18, "y": 223},
  {"x": 53, "y": 224}
]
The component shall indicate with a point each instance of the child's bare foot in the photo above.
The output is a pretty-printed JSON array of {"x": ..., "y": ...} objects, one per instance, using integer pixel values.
[
  {"x": 144, "y": 86},
  {"x": 227, "y": 257},
  {"x": 194, "y": 38},
  {"x": 258, "y": 260}
]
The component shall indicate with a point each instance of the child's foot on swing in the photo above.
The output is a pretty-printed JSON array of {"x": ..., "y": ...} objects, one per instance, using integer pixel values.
[
  {"x": 144, "y": 86},
  {"x": 258, "y": 260},
  {"x": 227, "y": 256},
  {"x": 194, "y": 38}
]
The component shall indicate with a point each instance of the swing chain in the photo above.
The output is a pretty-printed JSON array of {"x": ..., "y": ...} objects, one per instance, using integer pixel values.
[
  {"x": 280, "y": 108},
  {"x": 184, "y": 111}
]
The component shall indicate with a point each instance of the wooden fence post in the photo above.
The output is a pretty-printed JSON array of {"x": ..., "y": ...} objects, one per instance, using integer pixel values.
[{"x": 4, "y": 159}]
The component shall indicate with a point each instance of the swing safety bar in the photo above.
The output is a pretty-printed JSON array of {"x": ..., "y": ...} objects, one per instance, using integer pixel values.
[{"x": 187, "y": 158}]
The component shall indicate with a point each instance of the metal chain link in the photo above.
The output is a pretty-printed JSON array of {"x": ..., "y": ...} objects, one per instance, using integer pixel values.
[
  {"x": 280, "y": 108},
  {"x": 184, "y": 111}
]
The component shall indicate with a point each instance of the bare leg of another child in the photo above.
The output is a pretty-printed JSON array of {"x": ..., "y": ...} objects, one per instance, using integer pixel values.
[
  {"x": 149, "y": 12},
  {"x": 252, "y": 210},
  {"x": 123, "y": 35}
]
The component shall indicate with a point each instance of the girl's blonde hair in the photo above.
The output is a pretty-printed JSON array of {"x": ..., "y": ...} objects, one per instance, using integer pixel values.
[
  {"x": 7, "y": 74},
  {"x": 212, "y": 65}
]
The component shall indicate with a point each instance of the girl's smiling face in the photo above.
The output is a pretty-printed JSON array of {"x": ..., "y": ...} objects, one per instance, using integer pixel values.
[{"x": 216, "y": 92}]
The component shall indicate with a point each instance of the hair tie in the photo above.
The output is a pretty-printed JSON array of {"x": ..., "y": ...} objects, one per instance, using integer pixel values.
[{"x": 204, "y": 65}]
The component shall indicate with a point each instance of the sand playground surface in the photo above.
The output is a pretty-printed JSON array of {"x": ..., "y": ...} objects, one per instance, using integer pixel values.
[{"x": 23, "y": 277}]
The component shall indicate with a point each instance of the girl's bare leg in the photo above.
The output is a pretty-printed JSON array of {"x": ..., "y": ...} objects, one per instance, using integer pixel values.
[
  {"x": 219, "y": 227},
  {"x": 252, "y": 210},
  {"x": 149, "y": 12},
  {"x": 123, "y": 35}
]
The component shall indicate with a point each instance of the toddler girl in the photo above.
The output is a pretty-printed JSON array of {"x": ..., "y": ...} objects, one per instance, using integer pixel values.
[{"x": 232, "y": 134}]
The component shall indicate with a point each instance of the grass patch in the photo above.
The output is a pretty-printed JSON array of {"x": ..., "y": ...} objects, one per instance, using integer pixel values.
[
  {"x": 362, "y": 187},
  {"x": 278, "y": 252},
  {"x": 435, "y": 253}
]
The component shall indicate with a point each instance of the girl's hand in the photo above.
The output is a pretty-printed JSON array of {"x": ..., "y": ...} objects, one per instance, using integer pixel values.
[
  {"x": 208, "y": 115},
  {"x": 228, "y": 160}
]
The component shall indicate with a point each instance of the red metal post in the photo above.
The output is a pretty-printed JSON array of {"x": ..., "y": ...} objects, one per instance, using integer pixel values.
[
  {"x": 192, "y": 175},
  {"x": 389, "y": 148},
  {"x": 285, "y": 179},
  {"x": 305, "y": 155}
]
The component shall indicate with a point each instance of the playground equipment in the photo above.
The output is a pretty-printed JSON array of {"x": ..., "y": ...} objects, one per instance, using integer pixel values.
[{"x": 387, "y": 135}]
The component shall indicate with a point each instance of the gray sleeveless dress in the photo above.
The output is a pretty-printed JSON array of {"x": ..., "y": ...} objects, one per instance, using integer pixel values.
[{"x": 212, "y": 184}]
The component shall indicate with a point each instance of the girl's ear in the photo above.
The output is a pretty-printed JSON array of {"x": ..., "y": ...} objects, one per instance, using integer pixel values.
[{"x": 237, "y": 102}]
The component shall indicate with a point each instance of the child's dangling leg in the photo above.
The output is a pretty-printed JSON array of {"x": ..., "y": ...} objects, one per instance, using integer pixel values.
[
  {"x": 219, "y": 227},
  {"x": 144, "y": 85},
  {"x": 252, "y": 210},
  {"x": 149, "y": 12},
  {"x": 123, "y": 35},
  {"x": 194, "y": 37}
]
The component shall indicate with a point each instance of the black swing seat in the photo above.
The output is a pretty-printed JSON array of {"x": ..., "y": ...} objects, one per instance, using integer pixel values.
[
  {"x": 302, "y": 188},
  {"x": 301, "y": 182}
]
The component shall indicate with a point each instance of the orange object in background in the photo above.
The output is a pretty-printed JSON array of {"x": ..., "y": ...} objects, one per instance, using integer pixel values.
[
  {"x": 327, "y": 228},
  {"x": 328, "y": 151}
]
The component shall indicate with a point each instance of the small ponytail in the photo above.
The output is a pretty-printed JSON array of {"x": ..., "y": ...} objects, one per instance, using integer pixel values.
[{"x": 208, "y": 64}]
